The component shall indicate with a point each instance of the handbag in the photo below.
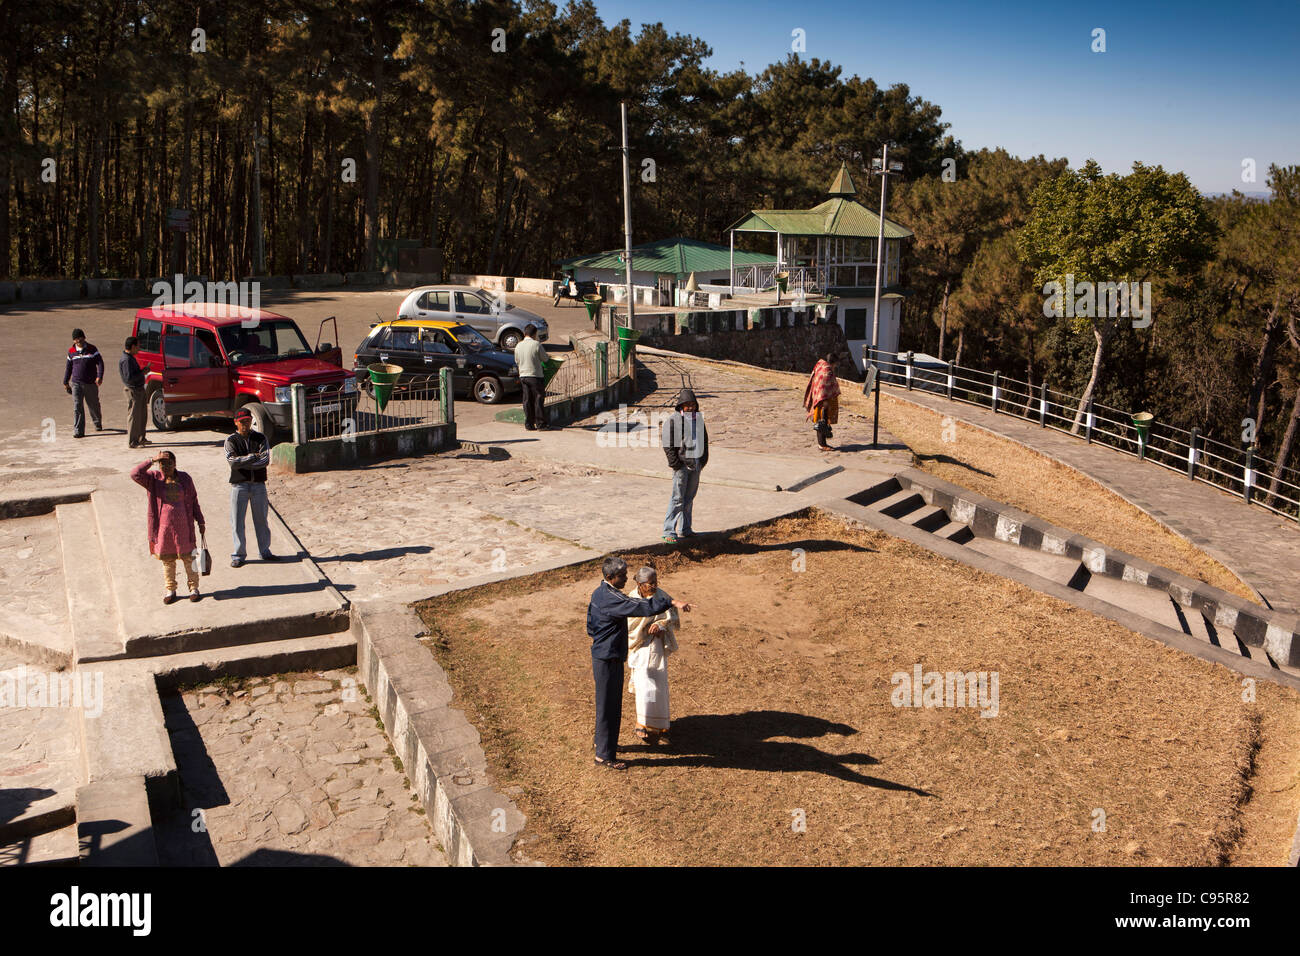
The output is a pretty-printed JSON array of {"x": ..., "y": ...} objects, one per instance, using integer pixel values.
[{"x": 205, "y": 559}]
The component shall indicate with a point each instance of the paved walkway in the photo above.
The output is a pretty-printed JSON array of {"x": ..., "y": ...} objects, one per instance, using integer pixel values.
[{"x": 1260, "y": 547}]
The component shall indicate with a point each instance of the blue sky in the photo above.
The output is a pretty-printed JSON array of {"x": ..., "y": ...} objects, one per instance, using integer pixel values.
[{"x": 1195, "y": 86}]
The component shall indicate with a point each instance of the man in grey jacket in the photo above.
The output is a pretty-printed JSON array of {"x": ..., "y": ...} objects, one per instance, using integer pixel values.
[{"x": 686, "y": 443}]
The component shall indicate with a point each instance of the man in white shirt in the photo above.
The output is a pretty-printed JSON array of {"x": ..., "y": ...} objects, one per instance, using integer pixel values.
[{"x": 529, "y": 354}]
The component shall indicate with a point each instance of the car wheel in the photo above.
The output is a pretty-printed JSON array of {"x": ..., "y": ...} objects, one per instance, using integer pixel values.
[
  {"x": 487, "y": 390},
  {"x": 158, "y": 412},
  {"x": 262, "y": 421},
  {"x": 509, "y": 339}
]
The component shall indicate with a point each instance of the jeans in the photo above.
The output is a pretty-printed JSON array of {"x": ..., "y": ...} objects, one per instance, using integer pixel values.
[
  {"x": 533, "y": 401},
  {"x": 241, "y": 496},
  {"x": 686, "y": 481},
  {"x": 609, "y": 705},
  {"x": 87, "y": 392}
]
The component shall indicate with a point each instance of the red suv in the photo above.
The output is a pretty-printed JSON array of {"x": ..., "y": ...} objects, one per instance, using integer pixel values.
[{"x": 211, "y": 359}]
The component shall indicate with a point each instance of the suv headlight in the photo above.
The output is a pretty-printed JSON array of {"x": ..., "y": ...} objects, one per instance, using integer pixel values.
[
  {"x": 349, "y": 385},
  {"x": 283, "y": 393}
]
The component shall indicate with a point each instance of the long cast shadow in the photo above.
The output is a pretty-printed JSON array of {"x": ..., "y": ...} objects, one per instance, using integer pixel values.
[{"x": 742, "y": 742}]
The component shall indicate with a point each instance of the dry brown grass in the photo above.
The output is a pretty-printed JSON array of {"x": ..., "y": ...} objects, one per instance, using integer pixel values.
[
  {"x": 781, "y": 699},
  {"x": 1011, "y": 473}
]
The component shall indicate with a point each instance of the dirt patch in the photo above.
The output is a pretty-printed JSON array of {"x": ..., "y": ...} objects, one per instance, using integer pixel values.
[{"x": 788, "y": 748}]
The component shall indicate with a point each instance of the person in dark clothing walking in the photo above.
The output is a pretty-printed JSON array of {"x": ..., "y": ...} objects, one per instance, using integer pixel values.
[
  {"x": 133, "y": 385},
  {"x": 82, "y": 376},
  {"x": 248, "y": 453},
  {"x": 607, "y": 615}
]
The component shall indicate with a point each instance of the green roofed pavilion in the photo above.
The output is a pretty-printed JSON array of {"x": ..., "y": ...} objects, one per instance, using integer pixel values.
[{"x": 830, "y": 246}]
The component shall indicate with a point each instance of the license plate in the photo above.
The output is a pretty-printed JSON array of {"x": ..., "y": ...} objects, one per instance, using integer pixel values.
[{"x": 324, "y": 409}]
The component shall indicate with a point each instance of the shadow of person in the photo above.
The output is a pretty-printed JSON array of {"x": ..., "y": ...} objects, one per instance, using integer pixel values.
[{"x": 744, "y": 742}]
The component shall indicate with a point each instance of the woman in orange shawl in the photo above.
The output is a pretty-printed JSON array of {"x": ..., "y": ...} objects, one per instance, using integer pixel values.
[{"x": 821, "y": 398}]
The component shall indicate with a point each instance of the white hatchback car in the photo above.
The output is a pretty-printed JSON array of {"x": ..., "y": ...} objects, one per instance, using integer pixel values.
[{"x": 486, "y": 312}]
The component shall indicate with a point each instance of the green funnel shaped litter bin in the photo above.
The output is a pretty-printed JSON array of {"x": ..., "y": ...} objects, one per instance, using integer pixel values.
[
  {"x": 626, "y": 341},
  {"x": 593, "y": 304},
  {"x": 382, "y": 379},
  {"x": 549, "y": 367},
  {"x": 783, "y": 280},
  {"x": 1142, "y": 425}
]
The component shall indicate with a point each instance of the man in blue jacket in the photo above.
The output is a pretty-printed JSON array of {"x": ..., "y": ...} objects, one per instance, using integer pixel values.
[
  {"x": 82, "y": 376},
  {"x": 607, "y": 616}
]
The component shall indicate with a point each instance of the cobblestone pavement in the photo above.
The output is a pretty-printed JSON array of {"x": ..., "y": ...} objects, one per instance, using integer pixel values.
[
  {"x": 31, "y": 575},
  {"x": 418, "y": 523},
  {"x": 289, "y": 772},
  {"x": 750, "y": 411},
  {"x": 40, "y": 747}
]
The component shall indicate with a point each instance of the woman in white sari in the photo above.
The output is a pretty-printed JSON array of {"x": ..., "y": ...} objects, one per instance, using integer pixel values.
[{"x": 649, "y": 642}]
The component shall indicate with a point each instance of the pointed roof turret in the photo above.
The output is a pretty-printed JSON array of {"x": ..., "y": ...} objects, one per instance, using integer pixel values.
[{"x": 843, "y": 185}]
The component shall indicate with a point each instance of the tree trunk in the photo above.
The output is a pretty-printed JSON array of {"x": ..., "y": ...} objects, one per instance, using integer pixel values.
[
  {"x": 1103, "y": 335},
  {"x": 1284, "y": 450},
  {"x": 1262, "y": 374},
  {"x": 943, "y": 315},
  {"x": 961, "y": 337}
]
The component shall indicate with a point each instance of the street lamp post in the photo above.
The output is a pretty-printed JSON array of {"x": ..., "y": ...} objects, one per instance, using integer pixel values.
[{"x": 885, "y": 168}]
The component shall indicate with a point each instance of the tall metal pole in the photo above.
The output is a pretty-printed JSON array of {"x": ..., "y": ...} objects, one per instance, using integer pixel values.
[
  {"x": 627, "y": 222},
  {"x": 880, "y": 256}
]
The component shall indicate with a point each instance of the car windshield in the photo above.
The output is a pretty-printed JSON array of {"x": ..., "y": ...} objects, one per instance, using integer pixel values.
[
  {"x": 471, "y": 339},
  {"x": 265, "y": 342}
]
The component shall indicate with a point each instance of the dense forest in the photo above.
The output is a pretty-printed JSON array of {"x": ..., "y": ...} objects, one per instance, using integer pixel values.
[{"x": 490, "y": 132}]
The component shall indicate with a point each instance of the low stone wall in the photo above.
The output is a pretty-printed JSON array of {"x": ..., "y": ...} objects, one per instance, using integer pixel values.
[
  {"x": 793, "y": 349},
  {"x": 495, "y": 283},
  {"x": 365, "y": 278},
  {"x": 438, "y": 747},
  {"x": 580, "y": 406},
  {"x": 49, "y": 290},
  {"x": 323, "y": 280},
  {"x": 1275, "y": 632},
  {"x": 544, "y": 287},
  {"x": 325, "y": 454}
]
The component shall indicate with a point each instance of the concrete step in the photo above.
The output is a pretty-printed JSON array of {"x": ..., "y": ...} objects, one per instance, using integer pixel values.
[
  {"x": 900, "y": 504},
  {"x": 869, "y": 496},
  {"x": 256, "y": 603},
  {"x": 1054, "y": 567},
  {"x": 26, "y": 813},
  {"x": 928, "y": 518},
  {"x": 326, "y": 652},
  {"x": 1194, "y": 623},
  {"x": 92, "y": 608},
  {"x": 129, "y": 739},
  {"x": 57, "y": 847},
  {"x": 114, "y": 824},
  {"x": 1154, "y": 605},
  {"x": 955, "y": 531}
]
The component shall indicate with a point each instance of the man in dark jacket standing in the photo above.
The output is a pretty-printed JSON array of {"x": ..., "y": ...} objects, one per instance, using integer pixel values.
[
  {"x": 686, "y": 443},
  {"x": 82, "y": 376},
  {"x": 133, "y": 384},
  {"x": 248, "y": 453},
  {"x": 607, "y": 615}
]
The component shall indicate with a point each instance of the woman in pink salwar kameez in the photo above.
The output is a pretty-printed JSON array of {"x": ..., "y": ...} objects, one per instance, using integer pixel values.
[{"x": 173, "y": 512}]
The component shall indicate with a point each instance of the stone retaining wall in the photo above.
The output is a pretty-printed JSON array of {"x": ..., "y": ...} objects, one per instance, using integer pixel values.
[
  {"x": 784, "y": 349},
  {"x": 1275, "y": 632},
  {"x": 328, "y": 453},
  {"x": 438, "y": 747}
]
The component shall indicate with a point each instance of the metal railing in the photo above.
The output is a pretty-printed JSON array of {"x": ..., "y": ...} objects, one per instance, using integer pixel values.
[
  {"x": 335, "y": 411},
  {"x": 1240, "y": 471}
]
